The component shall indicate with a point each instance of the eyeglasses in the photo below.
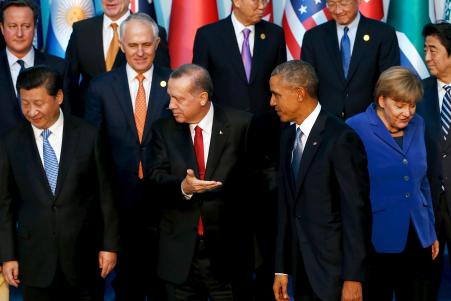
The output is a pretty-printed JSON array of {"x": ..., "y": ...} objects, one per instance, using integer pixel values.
[
  {"x": 332, "y": 5},
  {"x": 263, "y": 2}
]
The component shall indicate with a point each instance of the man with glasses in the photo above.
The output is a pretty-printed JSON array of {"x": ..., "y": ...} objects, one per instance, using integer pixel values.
[{"x": 348, "y": 54}]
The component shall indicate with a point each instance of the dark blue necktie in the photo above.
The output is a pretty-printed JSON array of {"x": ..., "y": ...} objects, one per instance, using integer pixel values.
[
  {"x": 22, "y": 68},
  {"x": 445, "y": 114},
  {"x": 296, "y": 154},
  {"x": 345, "y": 48}
]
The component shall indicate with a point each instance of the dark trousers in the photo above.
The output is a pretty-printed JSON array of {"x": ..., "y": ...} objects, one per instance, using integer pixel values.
[
  {"x": 303, "y": 290},
  {"x": 201, "y": 284},
  {"x": 60, "y": 289},
  {"x": 407, "y": 275}
]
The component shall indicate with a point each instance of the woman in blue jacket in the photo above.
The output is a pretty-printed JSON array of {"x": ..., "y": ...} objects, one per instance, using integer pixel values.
[{"x": 403, "y": 233}]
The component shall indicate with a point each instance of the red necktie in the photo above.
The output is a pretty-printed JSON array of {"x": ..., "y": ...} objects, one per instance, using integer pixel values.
[{"x": 199, "y": 150}]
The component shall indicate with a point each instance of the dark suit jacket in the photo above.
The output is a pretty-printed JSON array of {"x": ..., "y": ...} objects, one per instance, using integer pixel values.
[
  {"x": 109, "y": 107},
  {"x": 222, "y": 210},
  {"x": 347, "y": 97},
  {"x": 85, "y": 55},
  {"x": 10, "y": 111},
  {"x": 438, "y": 152},
  {"x": 42, "y": 231},
  {"x": 327, "y": 215}
]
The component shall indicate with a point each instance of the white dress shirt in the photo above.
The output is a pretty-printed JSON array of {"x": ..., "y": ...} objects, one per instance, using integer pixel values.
[
  {"x": 14, "y": 67},
  {"x": 133, "y": 83},
  {"x": 351, "y": 33},
  {"x": 206, "y": 124},
  {"x": 55, "y": 139},
  {"x": 108, "y": 33},
  {"x": 238, "y": 27},
  {"x": 441, "y": 93}
]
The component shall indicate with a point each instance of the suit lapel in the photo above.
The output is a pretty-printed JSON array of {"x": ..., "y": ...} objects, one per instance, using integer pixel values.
[
  {"x": 219, "y": 136},
  {"x": 5, "y": 76},
  {"x": 331, "y": 41},
  {"x": 182, "y": 137},
  {"x": 260, "y": 47},
  {"x": 360, "y": 47},
  {"x": 96, "y": 45},
  {"x": 409, "y": 133},
  {"x": 287, "y": 142},
  {"x": 380, "y": 130},
  {"x": 231, "y": 45}
]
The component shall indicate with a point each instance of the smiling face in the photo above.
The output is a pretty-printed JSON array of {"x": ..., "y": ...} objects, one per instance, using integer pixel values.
[
  {"x": 249, "y": 12},
  {"x": 18, "y": 29},
  {"x": 343, "y": 11},
  {"x": 40, "y": 108},
  {"x": 114, "y": 9},
  {"x": 396, "y": 115},
  {"x": 437, "y": 58}
]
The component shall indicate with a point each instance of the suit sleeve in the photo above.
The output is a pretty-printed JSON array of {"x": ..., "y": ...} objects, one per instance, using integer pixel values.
[
  {"x": 162, "y": 57},
  {"x": 282, "y": 51},
  {"x": 200, "y": 51},
  {"x": 351, "y": 171},
  {"x": 73, "y": 74},
  {"x": 389, "y": 54},
  {"x": 7, "y": 228},
  {"x": 94, "y": 105},
  {"x": 307, "y": 51}
]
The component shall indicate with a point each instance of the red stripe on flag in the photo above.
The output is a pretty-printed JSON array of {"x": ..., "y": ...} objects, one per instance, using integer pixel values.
[
  {"x": 133, "y": 6},
  {"x": 327, "y": 13},
  {"x": 291, "y": 42},
  {"x": 309, "y": 23}
]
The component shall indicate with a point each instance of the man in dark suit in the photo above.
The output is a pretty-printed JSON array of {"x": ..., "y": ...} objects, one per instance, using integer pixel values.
[
  {"x": 93, "y": 48},
  {"x": 324, "y": 212},
  {"x": 348, "y": 54},
  {"x": 18, "y": 22},
  {"x": 124, "y": 103},
  {"x": 198, "y": 174},
  {"x": 58, "y": 217},
  {"x": 240, "y": 52},
  {"x": 434, "y": 108}
]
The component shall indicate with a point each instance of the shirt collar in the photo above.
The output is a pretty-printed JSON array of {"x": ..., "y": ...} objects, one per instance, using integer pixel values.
[
  {"x": 55, "y": 128},
  {"x": 206, "y": 123},
  {"x": 28, "y": 58},
  {"x": 351, "y": 26},
  {"x": 440, "y": 84},
  {"x": 131, "y": 73},
  {"x": 307, "y": 125},
  {"x": 107, "y": 21},
  {"x": 238, "y": 26}
]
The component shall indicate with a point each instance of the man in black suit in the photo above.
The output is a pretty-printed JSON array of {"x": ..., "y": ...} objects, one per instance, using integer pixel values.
[
  {"x": 93, "y": 49},
  {"x": 433, "y": 108},
  {"x": 241, "y": 81},
  {"x": 198, "y": 175},
  {"x": 348, "y": 54},
  {"x": 18, "y": 22},
  {"x": 324, "y": 212},
  {"x": 124, "y": 107},
  {"x": 58, "y": 217}
]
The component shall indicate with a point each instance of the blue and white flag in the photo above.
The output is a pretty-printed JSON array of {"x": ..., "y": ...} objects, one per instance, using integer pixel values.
[{"x": 63, "y": 14}]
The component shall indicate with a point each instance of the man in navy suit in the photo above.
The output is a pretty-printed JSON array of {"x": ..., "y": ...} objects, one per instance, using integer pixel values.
[
  {"x": 324, "y": 217},
  {"x": 240, "y": 52},
  {"x": 348, "y": 54},
  {"x": 437, "y": 47},
  {"x": 89, "y": 46},
  {"x": 18, "y": 23},
  {"x": 124, "y": 103}
]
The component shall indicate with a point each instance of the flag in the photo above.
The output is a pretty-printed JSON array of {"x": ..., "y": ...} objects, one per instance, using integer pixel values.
[
  {"x": 38, "y": 40},
  {"x": 409, "y": 18},
  {"x": 298, "y": 17},
  {"x": 373, "y": 9},
  {"x": 186, "y": 18},
  {"x": 144, "y": 6},
  {"x": 268, "y": 14},
  {"x": 441, "y": 10},
  {"x": 63, "y": 13}
]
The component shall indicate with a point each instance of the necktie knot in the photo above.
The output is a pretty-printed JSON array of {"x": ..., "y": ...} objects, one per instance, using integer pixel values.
[
  {"x": 46, "y": 133},
  {"x": 198, "y": 130},
  {"x": 246, "y": 33},
  {"x": 140, "y": 77},
  {"x": 447, "y": 88},
  {"x": 114, "y": 26},
  {"x": 21, "y": 64},
  {"x": 345, "y": 30}
]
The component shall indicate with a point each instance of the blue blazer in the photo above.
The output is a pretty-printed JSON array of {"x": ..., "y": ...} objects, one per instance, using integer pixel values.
[{"x": 399, "y": 188}]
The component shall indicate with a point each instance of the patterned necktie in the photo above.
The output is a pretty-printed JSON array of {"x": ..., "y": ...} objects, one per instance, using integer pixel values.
[
  {"x": 199, "y": 150},
  {"x": 50, "y": 160},
  {"x": 140, "y": 115},
  {"x": 246, "y": 53},
  {"x": 345, "y": 47},
  {"x": 113, "y": 49},
  {"x": 296, "y": 155},
  {"x": 445, "y": 114}
]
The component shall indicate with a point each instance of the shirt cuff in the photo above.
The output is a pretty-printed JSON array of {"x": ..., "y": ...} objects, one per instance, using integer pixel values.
[{"x": 186, "y": 196}]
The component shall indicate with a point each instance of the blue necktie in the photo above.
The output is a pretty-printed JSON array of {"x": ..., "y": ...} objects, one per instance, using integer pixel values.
[
  {"x": 296, "y": 154},
  {"x": 345, "y": 47},
  {"x": 445, "y": 114},
  {"x": 50, "y": 161}
]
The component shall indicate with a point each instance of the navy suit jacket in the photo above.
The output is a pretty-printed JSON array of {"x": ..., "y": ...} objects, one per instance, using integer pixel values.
[
  {"x": 108, "y": 106},
  {"x": 375, "y": 49},
  {"x": 400, "y": 192},
  {"x": 86, "y": 58},
  {"x": 10, "y": 111},
  {"x": 326, "y": 216}
]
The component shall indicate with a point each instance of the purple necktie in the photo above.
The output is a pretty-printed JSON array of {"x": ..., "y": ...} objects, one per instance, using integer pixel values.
[{"x": 246, "y": 53}]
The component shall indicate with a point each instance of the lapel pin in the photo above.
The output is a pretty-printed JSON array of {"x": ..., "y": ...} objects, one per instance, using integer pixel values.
[
  {"x": 315, "y": 143},
  {"x": 220, "y": 132},
  {"x": 366, "y": 38},
  {"x": 262, "y": 36},
  {"x": 163, "y": 83}
]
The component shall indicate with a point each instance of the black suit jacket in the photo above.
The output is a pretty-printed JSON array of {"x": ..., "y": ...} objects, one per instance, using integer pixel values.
[
  {"x": 223, "y": 210},
  {"x": 326, "y": 216},
  {"x": 109, "y": 107},
  {"x": 10, "y": 111},
  {"x": 438, "y": 152},
  {"x": 41, "y": 230},
  {"x": 85, "y": 55},
  {"x": 375, "y": 49}
]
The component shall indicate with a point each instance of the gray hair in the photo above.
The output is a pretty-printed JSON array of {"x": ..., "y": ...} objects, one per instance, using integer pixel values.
[
  {"x": 298, "y": 74},
  {"x": 144, "y": 19},
  {"x": 201, "y": 80}
]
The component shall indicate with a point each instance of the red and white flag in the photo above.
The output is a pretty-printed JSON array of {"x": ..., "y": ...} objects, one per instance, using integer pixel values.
[
  {"x": 373, "y": 9},
  {"x": 268, "y": 15}
]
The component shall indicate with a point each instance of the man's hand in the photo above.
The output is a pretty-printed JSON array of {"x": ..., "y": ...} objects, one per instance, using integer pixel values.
[
  {"x": 435, "y": 249},
  {"x": 107, "y": 262},
  {"x": 191, "y": 184},
  {"x": 11, "y": 272},
  {"x": 280, "y": 288},
  {"x": 352, "y": 291}
]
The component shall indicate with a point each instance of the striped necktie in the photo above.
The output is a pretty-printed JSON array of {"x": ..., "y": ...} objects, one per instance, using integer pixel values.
[
  {"x": 50, "y": 160},
  {"x": 445, "y": 114}
]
